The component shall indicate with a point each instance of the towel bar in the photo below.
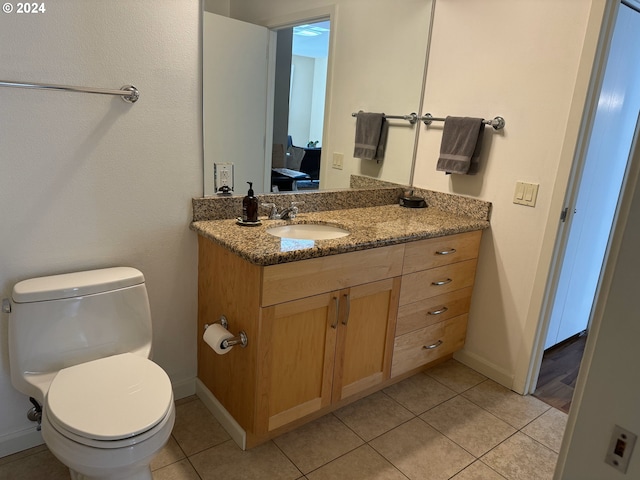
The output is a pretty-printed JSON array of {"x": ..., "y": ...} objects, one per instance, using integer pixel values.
[
  {"x": 412, "y": 118},
  {"x": 128, "y": 93},
  {"x": 497, "y": 123}
]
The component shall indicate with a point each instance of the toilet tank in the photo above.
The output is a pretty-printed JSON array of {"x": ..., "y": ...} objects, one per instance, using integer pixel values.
[{"x": 63, "y": 320}]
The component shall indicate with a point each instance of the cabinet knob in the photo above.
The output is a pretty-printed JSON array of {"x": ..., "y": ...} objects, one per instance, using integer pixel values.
[
  {"x": 446, "y": 252},
  {"x": 442, "y": 282}
]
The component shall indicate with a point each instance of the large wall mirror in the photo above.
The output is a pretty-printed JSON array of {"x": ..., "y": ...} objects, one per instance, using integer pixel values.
[{"x": 375, "y": 61}]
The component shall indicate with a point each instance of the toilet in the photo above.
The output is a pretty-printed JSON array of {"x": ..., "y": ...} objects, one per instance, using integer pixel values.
[{"x": 79, "y": 344}]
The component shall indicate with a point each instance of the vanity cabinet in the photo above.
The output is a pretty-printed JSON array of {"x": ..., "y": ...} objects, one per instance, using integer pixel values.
[
  {"x": 320, "y": 331},
  {"x": 325, "y": 331},
  {"x": 324, "y": 348},
  {"x": 437, "y": 282}
]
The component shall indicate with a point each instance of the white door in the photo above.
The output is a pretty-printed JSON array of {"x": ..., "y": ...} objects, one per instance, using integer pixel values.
[
  {"x": 237, "y": 108},
  {"x": 605, "y": 164}
]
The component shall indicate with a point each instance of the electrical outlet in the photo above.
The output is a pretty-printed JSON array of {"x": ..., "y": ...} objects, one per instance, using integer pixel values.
[
  {"x": 337, "y": 160},
  {"x": 620, "y": 448},
  {"x": 223, "y": 176}
]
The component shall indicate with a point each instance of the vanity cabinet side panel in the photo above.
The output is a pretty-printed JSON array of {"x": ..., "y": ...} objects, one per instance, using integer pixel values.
[{"x": 229, "y": 286}]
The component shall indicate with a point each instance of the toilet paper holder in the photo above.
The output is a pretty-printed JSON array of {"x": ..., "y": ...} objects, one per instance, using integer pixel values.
[{"x": 240, "y": 339}]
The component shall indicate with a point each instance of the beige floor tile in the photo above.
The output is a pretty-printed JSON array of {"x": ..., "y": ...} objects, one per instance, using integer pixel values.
[
  {"x": 373, "y": 415},
  {"x": 196, "y": 429},
  {"x": 23, "y": 454},
  {"x": 363, "y": 463},
  {"x": 421, "y": 452},
  {"x": 41, "y": 465},
  {"x": 456, "y": 376},
  {"x": 170, "y": 453},
  {"x": 419, "y": 393},
  {"x": 229, "y": 462},
  {"x": 522, "y": 458},
  {"x": 181, "y": 470},
  {"x": 317, "y": 443},
  {"x": 471, "y": 427},
  {"x": 478, "y": 471},
  {"x": 548, "y": 428},
  {"x": 516, "y": 410}
]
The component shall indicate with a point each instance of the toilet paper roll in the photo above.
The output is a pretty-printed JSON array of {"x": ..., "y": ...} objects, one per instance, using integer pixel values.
[{"x": 214, "y": 335}]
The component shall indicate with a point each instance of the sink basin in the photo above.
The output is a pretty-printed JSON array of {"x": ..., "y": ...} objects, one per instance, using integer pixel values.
[{"x": 308, "y": 231}]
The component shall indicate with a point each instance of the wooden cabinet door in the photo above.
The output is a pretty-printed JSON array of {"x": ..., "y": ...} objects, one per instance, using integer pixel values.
[
  {"x": 365, "y": 336},
  {"x": 297, "y": 351}
]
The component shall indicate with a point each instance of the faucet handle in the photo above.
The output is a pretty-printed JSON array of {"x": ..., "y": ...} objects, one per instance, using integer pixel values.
[{"x": 273, "y": 210}]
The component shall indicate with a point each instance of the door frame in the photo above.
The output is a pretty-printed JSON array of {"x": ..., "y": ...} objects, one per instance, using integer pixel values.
[
  {"x": 328, "y": 12},
  {"x": 608, "y": 14}
]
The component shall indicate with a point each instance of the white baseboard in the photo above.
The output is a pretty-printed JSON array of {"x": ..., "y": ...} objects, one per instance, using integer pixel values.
[
  {"x": 18, "y": 441},
  {"x": 221, "y": 414},
  {"x": 484, "y": 367},
  {"x": 184, "y": 388}
]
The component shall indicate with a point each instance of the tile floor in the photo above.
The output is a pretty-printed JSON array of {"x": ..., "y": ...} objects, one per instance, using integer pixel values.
[{"x": 449, "y": 422}]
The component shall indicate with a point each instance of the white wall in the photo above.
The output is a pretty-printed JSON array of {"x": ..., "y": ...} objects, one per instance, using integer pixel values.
[
  {"x": 518, "y": 60},
  {"x": 220, "y": 7},
  {"x": 91, "y": 181},
  {"x": 377, "y": 66},
  {"x": 306, "y": 108},
  {"x": 300, "y": 102}
]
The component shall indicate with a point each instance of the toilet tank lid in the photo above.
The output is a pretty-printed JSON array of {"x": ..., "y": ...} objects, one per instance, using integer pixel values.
[{"x": 77, "y": 284}]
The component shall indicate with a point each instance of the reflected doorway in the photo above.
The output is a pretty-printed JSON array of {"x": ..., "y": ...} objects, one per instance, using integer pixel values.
[{"x": 302, "y": 58}]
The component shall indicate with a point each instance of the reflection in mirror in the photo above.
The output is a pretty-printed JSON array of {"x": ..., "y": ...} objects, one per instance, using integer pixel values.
[
  {"x": 302, "y": 55},
  {"x": 376, "y": 63}
]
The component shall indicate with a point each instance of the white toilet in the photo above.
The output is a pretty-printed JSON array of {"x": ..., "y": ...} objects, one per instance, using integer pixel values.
[{"x": 79, "y": 344}]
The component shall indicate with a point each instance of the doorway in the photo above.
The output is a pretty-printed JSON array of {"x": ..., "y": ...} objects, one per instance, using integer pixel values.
[
  {"x": 302, "y": 59},
  {"x": 593, "y": 214}
]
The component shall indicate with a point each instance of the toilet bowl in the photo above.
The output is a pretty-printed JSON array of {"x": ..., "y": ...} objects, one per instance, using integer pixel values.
[
  {"x": 106, "y": 419},
  {"x": 79, "y": 345}
]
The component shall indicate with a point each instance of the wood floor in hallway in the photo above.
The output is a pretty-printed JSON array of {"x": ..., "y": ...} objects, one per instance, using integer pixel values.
[{"x": 559, "y": 371}]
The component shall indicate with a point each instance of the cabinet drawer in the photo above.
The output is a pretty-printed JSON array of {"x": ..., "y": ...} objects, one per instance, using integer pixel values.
[
  {"x": 439, "y": 251},
  {"x": 416, "y": 315},
  {"x": 437, "y": 281},
  {"x": 290, "y": 281},
  {"x": 418, "y": 348}
]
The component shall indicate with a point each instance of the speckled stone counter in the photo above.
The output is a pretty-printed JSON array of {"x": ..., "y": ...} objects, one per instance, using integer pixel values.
[{"x": 370, "y": 227}]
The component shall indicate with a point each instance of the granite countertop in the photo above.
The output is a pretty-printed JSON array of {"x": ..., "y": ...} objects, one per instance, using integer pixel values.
[{"x": 370, "y": 227}]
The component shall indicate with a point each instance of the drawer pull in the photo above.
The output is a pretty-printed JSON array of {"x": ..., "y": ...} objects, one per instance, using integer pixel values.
[
  {"x": 437, "y": 312},
  {"x": 445, "y": 252},
  {"x": 442, "y": 282},
  {"x": 433, "y": 345}
]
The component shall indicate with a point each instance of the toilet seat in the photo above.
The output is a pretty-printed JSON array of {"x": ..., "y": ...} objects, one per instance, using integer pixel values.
[{"x": 110, "y": 402}]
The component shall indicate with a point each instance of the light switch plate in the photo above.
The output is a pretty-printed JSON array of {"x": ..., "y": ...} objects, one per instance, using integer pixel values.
[
  {"x": 526, "y": 194},
  {"x": 337, "y": 160}
]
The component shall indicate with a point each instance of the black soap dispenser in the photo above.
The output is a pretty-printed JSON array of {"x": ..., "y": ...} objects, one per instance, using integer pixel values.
[{"x": 250, "y": 206}]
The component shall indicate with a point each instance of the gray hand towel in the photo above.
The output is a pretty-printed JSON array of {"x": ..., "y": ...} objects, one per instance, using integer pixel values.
[
  {"x": 371, "y": 136},
  {"x": 461, "y": 145}
]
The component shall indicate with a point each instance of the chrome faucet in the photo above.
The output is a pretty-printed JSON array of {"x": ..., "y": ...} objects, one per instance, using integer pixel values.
[{"x": 288, "y": 213}]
